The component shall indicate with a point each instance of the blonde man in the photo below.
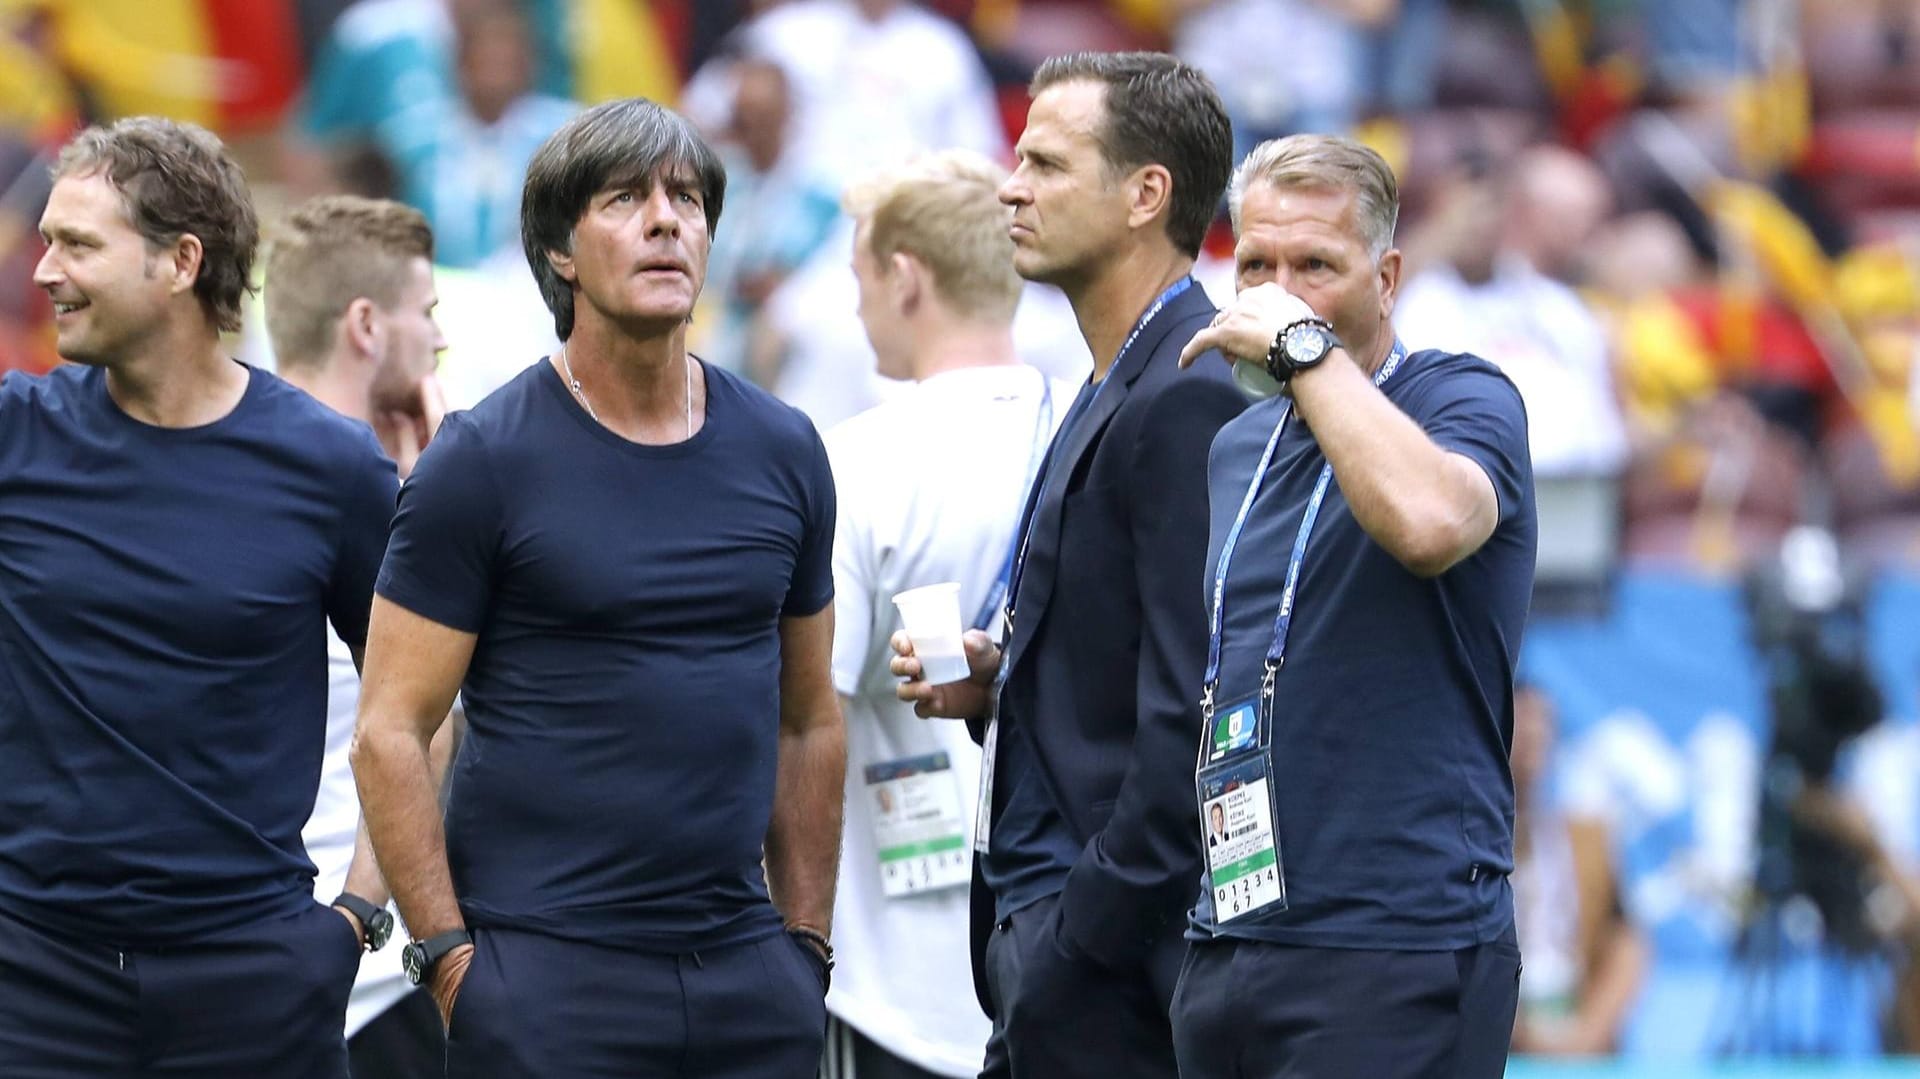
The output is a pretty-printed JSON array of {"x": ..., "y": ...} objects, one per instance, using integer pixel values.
[
  {"x": 1367, "y": 579},
  {"x": 349, "y": 307},
  {"x": 937, "y": 298}
]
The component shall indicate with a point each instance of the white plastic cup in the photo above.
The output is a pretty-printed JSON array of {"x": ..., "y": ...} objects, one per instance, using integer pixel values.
[{"x": 931, "y": 616}]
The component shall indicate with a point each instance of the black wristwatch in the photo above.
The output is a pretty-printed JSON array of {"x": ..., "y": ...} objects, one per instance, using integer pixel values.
[
  {"x": 419, "y": 956},
  {"x": 377, "y": 921},
  {"x": 1302, "y": 344}
]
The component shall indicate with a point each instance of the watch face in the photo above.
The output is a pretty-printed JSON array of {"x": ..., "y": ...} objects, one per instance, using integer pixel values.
[
  {"x": 413, "y": 961},
  {"x": 1307, "y": 343},
  {"x": 379, "y": 929}
]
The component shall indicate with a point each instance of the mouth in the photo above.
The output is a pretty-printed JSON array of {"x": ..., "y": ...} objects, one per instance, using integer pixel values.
[
  {"x": 62, "y": 310},
  {"x": 1017, "y": 231},
  {"x": 664, "y": 267}
]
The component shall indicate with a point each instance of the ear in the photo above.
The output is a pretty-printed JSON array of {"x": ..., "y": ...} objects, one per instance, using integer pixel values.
[
  {"x": 1150, "y": 194},
  {"x": 904, "y": 281},
  {"x": 562, "y": 264},
  {"x": 1390, "y": 266},
  {"x": 363, "y": 327},
  {"x": 183, "y": 263}
]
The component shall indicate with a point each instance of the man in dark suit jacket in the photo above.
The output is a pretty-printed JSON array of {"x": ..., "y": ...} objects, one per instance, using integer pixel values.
[{"x": 1089, "y": 860}]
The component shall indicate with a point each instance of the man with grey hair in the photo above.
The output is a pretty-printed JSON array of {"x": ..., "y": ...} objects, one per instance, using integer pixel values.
[
  {"x": 623, "y": 560},
  {"x": 1368, "y": 574},
  {"x": 177, "y": 531}
]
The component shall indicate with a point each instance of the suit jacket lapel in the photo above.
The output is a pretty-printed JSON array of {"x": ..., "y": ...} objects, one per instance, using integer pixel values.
[{"x": 1043, "y": 548}]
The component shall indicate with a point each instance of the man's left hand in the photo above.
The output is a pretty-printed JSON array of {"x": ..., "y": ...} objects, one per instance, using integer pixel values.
[{"x": 1245, "y": 329}]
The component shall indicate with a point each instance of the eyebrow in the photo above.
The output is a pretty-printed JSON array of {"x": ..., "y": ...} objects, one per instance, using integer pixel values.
[{"x": 69, "y": 234}]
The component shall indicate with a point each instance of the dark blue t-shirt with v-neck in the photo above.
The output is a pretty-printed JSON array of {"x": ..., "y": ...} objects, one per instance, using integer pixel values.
[
  {"x": 164, "y": 601},
  {"x": 623, "y": 700},
  {"x": 1393, "y": 710}
]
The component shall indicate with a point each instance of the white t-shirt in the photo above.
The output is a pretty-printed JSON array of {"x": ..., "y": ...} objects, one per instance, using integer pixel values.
[
  {"x": 1548, "y": 342},
  {"x": 329, "y": 837},
  {"x": 931, "y": 487}
]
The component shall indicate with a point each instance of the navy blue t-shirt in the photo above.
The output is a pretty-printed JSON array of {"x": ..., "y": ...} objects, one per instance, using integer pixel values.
[
  {"x": 164, "y": 595},
  {"x": 1393, "y": 713},
  {"x": 623, "y": 702}
]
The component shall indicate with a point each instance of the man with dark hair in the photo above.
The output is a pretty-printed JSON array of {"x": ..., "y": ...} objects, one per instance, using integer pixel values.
[
  {"x": 1368, "y": 574},
  {"x": 1089, "y": 854},
  {"x": 176, "y": 532},
  {"x": 623, "y": 558},
  {"x": 349, "y": 306}
]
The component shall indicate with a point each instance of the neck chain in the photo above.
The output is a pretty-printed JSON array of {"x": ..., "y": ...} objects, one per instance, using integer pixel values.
[{"x": 588, "y": 405}]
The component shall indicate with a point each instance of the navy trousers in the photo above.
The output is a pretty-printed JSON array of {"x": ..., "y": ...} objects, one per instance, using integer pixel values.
[
  {"x": 536, "y": 1007},
  {"x": 1246, "y": 1010},
  {"x": 266, "y": 1000},
  {"x": 1060, "y": 1015}
]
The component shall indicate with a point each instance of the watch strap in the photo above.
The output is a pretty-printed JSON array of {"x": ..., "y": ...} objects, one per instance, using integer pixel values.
[
  {"x": 435, "y": 948},
  {"x": 360, "y": 908}
]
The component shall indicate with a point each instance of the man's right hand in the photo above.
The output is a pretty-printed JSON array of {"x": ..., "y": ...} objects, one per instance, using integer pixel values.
[
  {"x": 448, "y": 975},
  {"x": 970, "y": 698}
]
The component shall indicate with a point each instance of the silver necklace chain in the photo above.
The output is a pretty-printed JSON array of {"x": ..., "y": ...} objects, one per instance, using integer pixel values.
[{"x": 588, "y": 405}]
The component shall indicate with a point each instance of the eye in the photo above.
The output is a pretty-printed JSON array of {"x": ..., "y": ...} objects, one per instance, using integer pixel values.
[
  {"x": 622, "y": 197},
  {"x": 1253, "y": 265},
  {"x": 1316, "y": 264},
  {"x": 689, "y": 198}
]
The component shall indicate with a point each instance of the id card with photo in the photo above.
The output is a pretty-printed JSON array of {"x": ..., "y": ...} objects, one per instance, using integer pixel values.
[
  {"x": 1244, "y": 873},
  {"x": 919, "y": 828}
]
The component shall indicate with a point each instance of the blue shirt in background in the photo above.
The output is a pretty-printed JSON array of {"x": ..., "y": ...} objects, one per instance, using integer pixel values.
[
  {"x": 1393, "y": 713},
  {"x": 623, "y": 701},
  {"x": 164, "y": 594}
]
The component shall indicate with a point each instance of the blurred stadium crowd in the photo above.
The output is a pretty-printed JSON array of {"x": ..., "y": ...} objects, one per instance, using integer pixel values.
[{"x": 1689, "y": 230}]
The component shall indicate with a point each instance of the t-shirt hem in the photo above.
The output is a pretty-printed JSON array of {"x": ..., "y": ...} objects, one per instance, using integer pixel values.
[{"x": 151, "y": 926}]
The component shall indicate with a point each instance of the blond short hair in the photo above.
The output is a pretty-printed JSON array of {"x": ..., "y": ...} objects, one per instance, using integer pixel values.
[
  {"x": 1331, "y": 163},
  {"x": 944, "y": 209},
  {"x": 329, "y": 252}
]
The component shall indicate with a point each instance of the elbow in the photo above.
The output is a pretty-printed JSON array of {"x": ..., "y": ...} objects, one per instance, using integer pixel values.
[{"x": 1432, "y": 542}]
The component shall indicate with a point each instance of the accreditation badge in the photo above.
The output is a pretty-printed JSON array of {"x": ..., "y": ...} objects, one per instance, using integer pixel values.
[
  {"x": 919, "y": 829},
  {"x": 1234, "y": 785}
]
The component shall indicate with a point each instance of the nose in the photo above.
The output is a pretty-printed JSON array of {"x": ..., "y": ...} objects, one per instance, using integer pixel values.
[
  {"x": 661, "y": 219},
  {"x": 46, "y": 272},
  {"x": 1013, "y": 191}
]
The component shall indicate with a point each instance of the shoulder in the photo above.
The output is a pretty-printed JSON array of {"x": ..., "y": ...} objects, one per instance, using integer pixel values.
[
  {"x": 851, "y": 440},
  {"x": 761, "y": 414},
  {"x": 20, "y": 390},
  {"x": 293, "y": 417},
  {"x": 1432, "y": 379}
]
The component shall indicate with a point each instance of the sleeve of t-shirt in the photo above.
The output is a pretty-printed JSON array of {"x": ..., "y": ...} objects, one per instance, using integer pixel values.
[
  {"x": 1475, "y": 412},
  {"x": 366, "y": 508},
  {"x": 853, "y": 579},
  {"x": 812, "y": 586},
  {"x": 446, "y": 534}
]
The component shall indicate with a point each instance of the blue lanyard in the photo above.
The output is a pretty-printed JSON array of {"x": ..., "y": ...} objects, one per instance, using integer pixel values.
[
  {"x": 1046, "y": 467},
  {"x": 1283, "y": 622},
  {"x": 1042, "y": 428}
]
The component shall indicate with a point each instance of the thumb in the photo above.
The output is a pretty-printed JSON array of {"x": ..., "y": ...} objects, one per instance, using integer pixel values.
[{"x": 976, "y": 642}]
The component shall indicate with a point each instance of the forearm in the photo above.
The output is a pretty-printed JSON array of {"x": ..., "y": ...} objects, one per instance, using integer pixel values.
[
  {"x": 803, "y": 840},
  {"x": 363, "y": 872},
  {"x": 1611, "y": 990},
  {"x": 400, "y": 804},
  {"x": 1412, "y": 497}
]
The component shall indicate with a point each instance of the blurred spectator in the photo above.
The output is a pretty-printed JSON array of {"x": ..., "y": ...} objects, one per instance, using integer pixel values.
[
  {"x": 443, "y": 88},
  {"x": 468, "y": 181},
  {"x": 872, "y": 82},
  {"x": 1492, "y": 250},
  {"x": 1584, "y": 959},
  {"x": 1345, "y": 59},
  {"x": 775, "y": 220}
]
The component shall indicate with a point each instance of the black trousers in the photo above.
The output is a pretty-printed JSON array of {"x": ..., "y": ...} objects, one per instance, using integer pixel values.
[
  {"x": 535, "y": 1007},
  {"x": 404, "y": 1042},
  {"x": 269, "y": 999},
  {"x": 1059, "y": 1015},
  {"x": 1246, "y": 1010}
]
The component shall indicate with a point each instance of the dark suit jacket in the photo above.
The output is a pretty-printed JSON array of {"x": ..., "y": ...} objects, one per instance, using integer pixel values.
[{"x": 1109, "y": 643}]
